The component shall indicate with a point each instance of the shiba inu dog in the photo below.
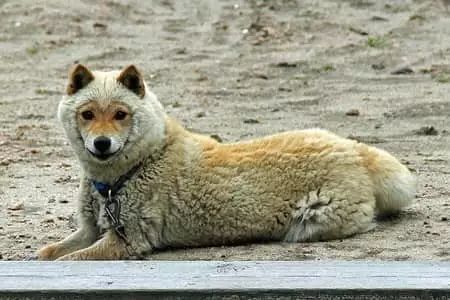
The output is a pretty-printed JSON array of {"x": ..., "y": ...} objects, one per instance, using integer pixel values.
[{"x": 148, "y": 183}]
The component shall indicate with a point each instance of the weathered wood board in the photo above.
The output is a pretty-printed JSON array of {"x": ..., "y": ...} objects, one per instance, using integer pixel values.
[{"x": 224, "y": 280}]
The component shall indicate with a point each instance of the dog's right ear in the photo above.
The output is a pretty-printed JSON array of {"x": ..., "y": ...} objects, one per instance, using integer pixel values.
[{"x": 79, "y": 77}]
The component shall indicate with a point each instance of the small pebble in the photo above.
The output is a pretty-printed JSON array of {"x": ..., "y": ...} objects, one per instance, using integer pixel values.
[
  {"x": 402, "y": 71},
  {"x": 379, "y": 19},
  {"x": 216, "y": 137},
  {"x": 358, "y": 31},
  {"x": 181, "y": 51},
  {"x": 202, "y": 78},
  {"x": 367, "y": 139},
  {"x": 352, "y": 112},
  {"x": 426, "y": 130},
  {"x": 285, "y": 64},
  {"x": 379, "y": 66},
  {"x": 99, "y": 25},
  {"x": 19, "y": 206},
  {"x": 284, "y": 89},
  {"x": 262, "y": 76},
  {"x": 251, "y": 121}
]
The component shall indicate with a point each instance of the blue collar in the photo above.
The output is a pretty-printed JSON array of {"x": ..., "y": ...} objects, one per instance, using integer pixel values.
[{"x": 104, "y": 189}]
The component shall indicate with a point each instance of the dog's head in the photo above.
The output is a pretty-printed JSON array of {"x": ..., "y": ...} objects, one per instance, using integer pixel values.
[{"x": 111, "y": 118}]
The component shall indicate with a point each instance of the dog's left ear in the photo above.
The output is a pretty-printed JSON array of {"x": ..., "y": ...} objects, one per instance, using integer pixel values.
[{"x": 132, "y": 79}]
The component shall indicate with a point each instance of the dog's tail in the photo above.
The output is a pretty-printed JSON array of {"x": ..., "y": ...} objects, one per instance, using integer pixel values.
[{"x": 394, "y": 185}]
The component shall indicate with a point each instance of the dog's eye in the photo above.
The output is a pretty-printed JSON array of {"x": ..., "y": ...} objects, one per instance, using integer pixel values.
[
  {"x": 120, "y": 115},
  {"x": 87, "y": 115}
]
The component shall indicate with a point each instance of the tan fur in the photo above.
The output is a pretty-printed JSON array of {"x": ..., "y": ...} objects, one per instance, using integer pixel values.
[
  {"x": 297, "y": 186},
  {"x": 103, "y": 122},
  {"x": 109, "y": 247}
]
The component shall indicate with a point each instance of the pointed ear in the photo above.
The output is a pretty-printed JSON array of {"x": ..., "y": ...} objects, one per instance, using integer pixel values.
[
  {"x": 132, "y": 79},
  {"x": 79, "y": 77}
]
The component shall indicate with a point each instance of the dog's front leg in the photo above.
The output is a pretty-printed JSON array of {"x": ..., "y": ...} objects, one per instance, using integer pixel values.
[
  {"x": 109, "y": 247},
  {"x": 82, "y": 238}
]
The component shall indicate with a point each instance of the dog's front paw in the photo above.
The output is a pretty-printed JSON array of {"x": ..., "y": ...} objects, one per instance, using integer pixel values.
[
  {"x": 50, "y": 252},
  {"x": 78, "y": 255},
  {"x": 67, "y": 257}
]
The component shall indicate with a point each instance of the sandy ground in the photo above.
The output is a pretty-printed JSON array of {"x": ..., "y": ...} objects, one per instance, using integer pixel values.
[{"x": 377, "y": 71}]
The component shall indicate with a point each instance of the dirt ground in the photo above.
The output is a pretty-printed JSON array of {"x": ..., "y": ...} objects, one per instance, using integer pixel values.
[{"x": 377, "y": 71}]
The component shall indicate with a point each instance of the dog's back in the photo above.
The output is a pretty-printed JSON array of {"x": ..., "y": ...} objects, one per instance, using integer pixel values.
[{"x": 295, "y": 186}]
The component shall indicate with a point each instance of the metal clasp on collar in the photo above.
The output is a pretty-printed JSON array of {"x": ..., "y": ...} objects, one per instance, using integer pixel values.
[{"x": 112, "y": 209}]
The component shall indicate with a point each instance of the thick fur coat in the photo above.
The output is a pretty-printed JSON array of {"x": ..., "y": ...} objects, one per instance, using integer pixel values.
[{"x": 191, "y": 190}]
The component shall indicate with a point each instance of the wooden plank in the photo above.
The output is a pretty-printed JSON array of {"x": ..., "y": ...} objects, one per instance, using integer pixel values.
[{"x": 217, "y": 280}]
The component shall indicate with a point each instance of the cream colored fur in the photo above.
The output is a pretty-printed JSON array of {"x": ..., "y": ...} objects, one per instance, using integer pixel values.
[{"x": 307, "y": 185}]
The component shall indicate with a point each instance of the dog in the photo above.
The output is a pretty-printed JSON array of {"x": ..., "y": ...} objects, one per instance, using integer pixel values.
[{"x": 147, "y": 183}]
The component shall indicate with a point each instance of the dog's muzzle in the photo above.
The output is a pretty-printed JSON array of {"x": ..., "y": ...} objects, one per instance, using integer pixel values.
[{"x": 102, "y": 148}]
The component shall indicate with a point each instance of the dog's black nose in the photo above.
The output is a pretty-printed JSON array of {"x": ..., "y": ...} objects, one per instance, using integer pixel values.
[{"x": 102, "y": 143}]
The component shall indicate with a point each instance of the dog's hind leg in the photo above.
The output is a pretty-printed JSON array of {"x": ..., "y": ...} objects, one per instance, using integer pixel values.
[{"x": 326, "y": 215}]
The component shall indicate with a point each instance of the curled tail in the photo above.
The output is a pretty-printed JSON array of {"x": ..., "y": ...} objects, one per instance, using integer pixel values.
[{"x": 394, "y": 185}]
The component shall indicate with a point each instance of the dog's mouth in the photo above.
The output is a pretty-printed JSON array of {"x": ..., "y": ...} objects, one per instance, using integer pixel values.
[{"x": 102, "y": 156}]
